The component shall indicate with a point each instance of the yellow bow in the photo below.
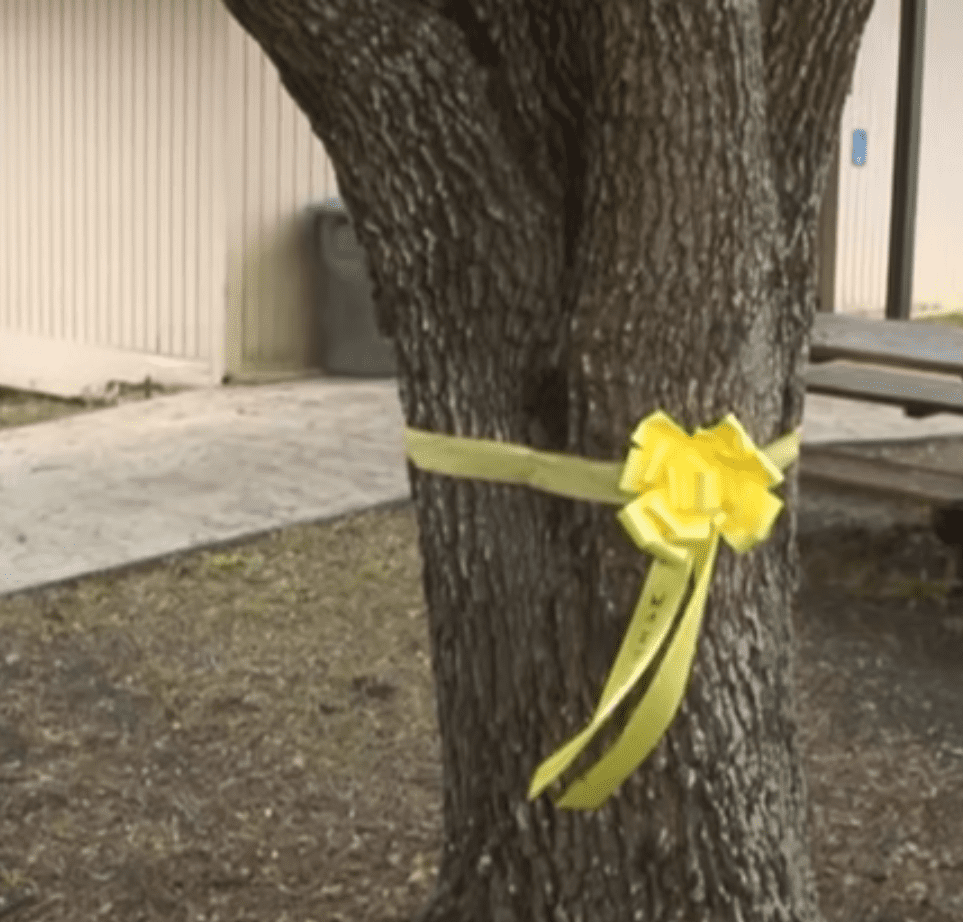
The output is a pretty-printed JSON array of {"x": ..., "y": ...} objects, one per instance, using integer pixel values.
[{"x": 679, "y": 494}]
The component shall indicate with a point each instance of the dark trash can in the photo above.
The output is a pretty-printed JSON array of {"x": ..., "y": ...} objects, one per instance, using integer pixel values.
[{"x": 349, "y": 342}]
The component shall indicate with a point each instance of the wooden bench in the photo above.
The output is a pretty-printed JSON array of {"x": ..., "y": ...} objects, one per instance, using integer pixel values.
[
  {"x": 928, "y": 359},
  {"x": 918, "y": 366}
]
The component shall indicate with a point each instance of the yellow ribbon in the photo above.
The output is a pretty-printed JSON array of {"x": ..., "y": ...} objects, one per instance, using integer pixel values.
[{"x": 679, "y": 494}]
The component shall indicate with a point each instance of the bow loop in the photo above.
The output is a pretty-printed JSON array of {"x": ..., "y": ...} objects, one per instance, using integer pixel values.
[{"x": 687, "y": 485}]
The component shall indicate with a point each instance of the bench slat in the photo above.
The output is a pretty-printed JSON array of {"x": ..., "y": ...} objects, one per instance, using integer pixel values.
[
  {"x": 921, "y": 394},
  {"x": 876, "y": 475},
  {"x": 935, "y": 347}
]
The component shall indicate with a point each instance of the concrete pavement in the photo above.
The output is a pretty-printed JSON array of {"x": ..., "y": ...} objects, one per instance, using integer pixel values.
[{"x": 105, "y": 489}]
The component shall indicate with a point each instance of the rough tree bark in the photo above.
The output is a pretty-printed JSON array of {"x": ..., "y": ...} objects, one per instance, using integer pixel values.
[{"x": 578, "y": 212}]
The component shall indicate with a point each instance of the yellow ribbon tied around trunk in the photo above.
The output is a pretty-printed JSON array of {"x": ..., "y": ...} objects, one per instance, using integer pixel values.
[{"x": 678, "y": 494}]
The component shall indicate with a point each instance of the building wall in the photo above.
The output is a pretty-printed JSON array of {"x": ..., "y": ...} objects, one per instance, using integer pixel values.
[
  {"x": 283, "y": 170},
  {"x": 151, "y": 172},
  {"x": 864, "y": 191},
  {"x": 938, "y": 280},
  {"x": 154, "y": 173}
]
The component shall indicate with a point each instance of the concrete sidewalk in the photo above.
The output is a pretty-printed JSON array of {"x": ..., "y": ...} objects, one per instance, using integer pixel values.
[{"x": 99, "y": 490}]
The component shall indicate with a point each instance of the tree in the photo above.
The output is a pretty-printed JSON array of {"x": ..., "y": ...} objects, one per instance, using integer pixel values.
[{"x": 578, "y": 212}]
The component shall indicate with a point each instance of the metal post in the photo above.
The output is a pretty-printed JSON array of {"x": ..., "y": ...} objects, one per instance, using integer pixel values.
[
  {"x": 827, "y": 235},
  {"x": 902, "y": 230}
]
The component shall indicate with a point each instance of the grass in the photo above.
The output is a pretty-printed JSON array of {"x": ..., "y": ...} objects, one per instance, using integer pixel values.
[
  {"x": 24, "y": 408},
  {"x": 954, "y": 318},
  {"x": 240, "y": 714},
  {"x": 249, "y": 733}
]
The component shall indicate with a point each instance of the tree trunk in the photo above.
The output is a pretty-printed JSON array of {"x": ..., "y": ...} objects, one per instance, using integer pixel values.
[{"x": 578, "y": 213}]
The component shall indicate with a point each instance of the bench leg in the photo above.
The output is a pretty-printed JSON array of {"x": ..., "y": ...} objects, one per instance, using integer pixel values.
[{"x": 948, "y": 526}]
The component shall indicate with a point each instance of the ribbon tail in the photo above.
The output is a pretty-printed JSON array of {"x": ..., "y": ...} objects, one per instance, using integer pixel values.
[
  {"x": 651, "y": 621},
  {"x": 653, "y": 616},
  {"x": 560, "y": 760},
  {"x": 657, "y": 709},
  {"x": 784, "y": 450}
]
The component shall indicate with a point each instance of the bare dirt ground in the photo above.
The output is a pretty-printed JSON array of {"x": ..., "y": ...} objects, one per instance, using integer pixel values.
[{"x": 249, "y": 733}]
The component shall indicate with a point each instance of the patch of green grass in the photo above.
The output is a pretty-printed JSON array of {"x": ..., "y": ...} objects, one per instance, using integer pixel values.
[
  {"x": 25, "y": 408},
  {"x": 955, "y": 318}
]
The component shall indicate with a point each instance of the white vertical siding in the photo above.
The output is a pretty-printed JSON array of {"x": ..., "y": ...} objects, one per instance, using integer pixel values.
[
  {"x": 938, "y": 279},
  {"x": 865, "y": 191},
  {"x": 102, "y": 148},
  {"x": 152, "y": 173},
  {"x": 283, "y": 169},
  {"x": 862, "y": 238}
]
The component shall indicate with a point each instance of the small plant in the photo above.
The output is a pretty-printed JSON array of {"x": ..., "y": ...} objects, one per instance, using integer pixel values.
[{"x": 915, "y": 588}]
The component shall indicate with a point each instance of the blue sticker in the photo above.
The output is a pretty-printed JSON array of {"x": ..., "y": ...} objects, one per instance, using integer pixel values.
[{"x": 859, "y": 147}]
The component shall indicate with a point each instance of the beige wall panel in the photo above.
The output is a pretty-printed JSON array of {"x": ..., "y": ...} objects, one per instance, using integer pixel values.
[
  {"x": 938, "y": 277},
  {"x": 153, "y": 180},
  {"x": 865, "y": 191},
  {"x": 863, "y": 214},
  {"x": 108, "y": 205},
  {"x": 6, "y": 219},
  {"x": 284, "y": 170},
  {"x": 69, "y": 369}
]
